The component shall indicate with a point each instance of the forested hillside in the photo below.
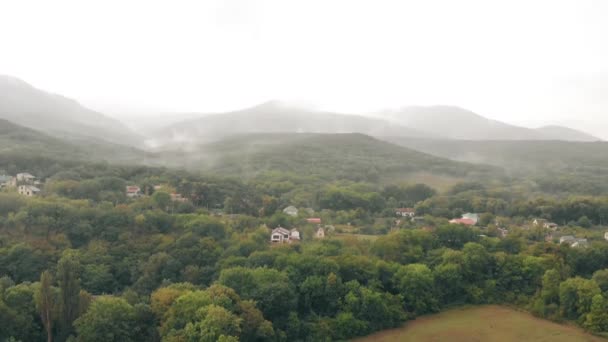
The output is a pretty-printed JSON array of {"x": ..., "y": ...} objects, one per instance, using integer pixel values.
[{"x": 323, "y": 156}]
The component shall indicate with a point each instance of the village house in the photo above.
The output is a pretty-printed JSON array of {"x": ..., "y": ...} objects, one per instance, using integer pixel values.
[
  {"x": 405, "y": 212},
  {"x": 471, "y": 216},
  {"x": 28, "y": 190},
  {"x": 320, "y": 234},
  {"x": 573, "y": 241},
  {"x": 314, "y": 220},
  {"x": 538, "y": 222},
  {"x": 133, "y": 191},
  {"x": 606, "y": 236},
  {"x": 291, "y": 211},
  {"x": 464, "y": 221},
  {"x": 282, "y": 235}
]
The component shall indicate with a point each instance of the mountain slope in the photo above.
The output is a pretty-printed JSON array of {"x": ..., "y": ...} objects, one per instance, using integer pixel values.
[
  {"x": 518, "y": 156},
  {"x": 565, "y": 134},
  {"x": 22, "y": 142},
  {"x": 59, "y": 116},
  {"x": 462, "y": 124},
  {"x": 274, "y": 117},
  {"x": 320, "y": 156}
]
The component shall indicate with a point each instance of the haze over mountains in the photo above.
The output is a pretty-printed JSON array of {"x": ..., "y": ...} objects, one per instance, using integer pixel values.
[
  {"x": 57, "y": 115},
  {"x": 458, "y": 123},
  {"x": 23, "y": 104}
]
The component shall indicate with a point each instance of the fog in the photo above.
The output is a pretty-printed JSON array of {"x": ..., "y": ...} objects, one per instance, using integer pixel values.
[{"x": 522, "y": 62}]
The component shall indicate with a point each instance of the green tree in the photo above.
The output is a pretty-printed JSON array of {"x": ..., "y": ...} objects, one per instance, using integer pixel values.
[
  {"x": 597, "y": 319},
  {"x": 68, "y": 277},
  {"x": 417, "y": 286},
  {"x": 45, "y": 303},
  {"x": 107, "y": 319}
]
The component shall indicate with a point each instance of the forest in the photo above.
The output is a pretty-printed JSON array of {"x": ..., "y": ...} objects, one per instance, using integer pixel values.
[{"x": 82, "y": 261}]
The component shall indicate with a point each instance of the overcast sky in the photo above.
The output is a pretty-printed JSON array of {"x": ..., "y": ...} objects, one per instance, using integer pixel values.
[{"x": 527, "y": 61}]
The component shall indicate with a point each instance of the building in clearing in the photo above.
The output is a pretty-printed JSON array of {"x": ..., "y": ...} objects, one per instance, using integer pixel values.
[
  {"x": 409, "y": 212},
  {"x": 28, "y": 190},
  {"x": 291, "y": 211},
  {"x": 282, "y": 235},
  {"x": 133, "y": 191}
]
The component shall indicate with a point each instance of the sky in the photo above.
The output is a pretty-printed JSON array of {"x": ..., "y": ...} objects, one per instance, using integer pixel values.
[{"x": 527, "y": 62}]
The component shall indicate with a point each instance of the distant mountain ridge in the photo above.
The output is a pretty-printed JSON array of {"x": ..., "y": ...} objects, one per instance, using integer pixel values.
[
  {"x": 462, "y": 124},
  {"x": 57, "y": 115},
  {"x": 277, "y": 117}
]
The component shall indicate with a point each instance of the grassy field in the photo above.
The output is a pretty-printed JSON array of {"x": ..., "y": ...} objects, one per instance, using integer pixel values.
[{"x": 485, "y": 323}]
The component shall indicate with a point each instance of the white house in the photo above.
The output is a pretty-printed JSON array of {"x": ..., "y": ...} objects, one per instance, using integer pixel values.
[
  {"x": 573, "y": 241},
  {"x": 291, "y": 211},
  {"x": 25, "y": 177},
  {"x": 28, "y": 190},
  {"x": 133, "y": 191},
  {"x": 405, "y": 212},
  {"x": 282, "y": 235},
  {"x": 606, "y": 235}
]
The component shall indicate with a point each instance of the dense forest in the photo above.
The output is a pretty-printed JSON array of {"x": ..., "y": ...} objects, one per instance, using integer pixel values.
[{"x": 82, "y": 261}]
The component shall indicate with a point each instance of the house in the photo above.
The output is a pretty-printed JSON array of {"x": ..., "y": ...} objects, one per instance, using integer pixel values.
[
  {"x": 25, "y": 177},
  {"x": 580, "y": 243},
  {"x": 464, "y": 221},
  {"x": 606, "y": 235},
  {"x": 471, "y": 216},
  {"x": 314, "y": 220},
  {"x": 409, "y": 212},
  {"x": 320, "y": 234},
  {"x": 573, "y": 241},
  {"x": 28, "y": 190},
  {"x": 280, "y": 235},
  {"x": 538, "y": 222},
  {"x": 133, "y": 191},
  {"x": 551, "y": 225},
  {"x": 567, "y": 238},
  {"x": 291, "y": 211}
]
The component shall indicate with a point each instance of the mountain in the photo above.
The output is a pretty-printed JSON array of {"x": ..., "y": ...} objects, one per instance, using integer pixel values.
[
  {"x": 276, "y": 117},
  {"x": 566, "y": 134},
  {"x": 18, "y": 142},
  {"x": 524, "y": 157},
  {"x": 349, "y": 156},
  {"x": 59, "y": 116},
  {"x": 458, "y": 123}
]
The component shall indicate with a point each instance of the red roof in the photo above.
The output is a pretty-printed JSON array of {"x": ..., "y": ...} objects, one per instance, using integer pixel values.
[
  {"x": 313, "y": 220},
  {"x": 133, "y": 188},
  {"x": 464, "y": 221},
  {"x": 405, "y": 210}
]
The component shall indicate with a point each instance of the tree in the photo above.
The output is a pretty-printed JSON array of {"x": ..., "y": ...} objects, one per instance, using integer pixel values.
[
  {"x": 417, "y": 286},
  {"x": 68, "y": 271},
  {"x": 597, "y": 319},
  {"x": 212, "y": 323},
  {"x": 45, "y": 302},
  {"x": 107, "y": 319},
  {"x": 161, "y": 199}
]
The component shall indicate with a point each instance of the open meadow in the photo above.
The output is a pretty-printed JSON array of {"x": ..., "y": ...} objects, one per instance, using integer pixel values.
[{"x": 485, "y": 323}]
